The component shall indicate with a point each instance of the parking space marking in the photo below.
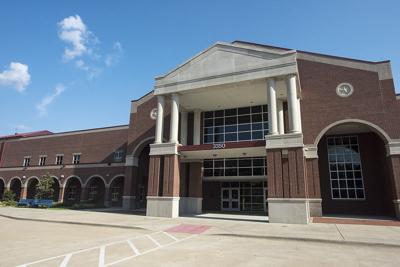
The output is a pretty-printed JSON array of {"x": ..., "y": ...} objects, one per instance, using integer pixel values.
[
  {"x": 171, "y": 236},
  {"x": 102, "y": 255},
  {"x": 150, "y": 250},
  {"x": 135, "y": 250},
  {"x": 66, "y": 260},
  {"x": 102, "y": 250},
  {"x": 154, "y": 241}
]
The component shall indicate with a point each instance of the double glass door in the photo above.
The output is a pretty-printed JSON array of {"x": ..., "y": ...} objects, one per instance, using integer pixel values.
[{"x": 230, "y": 199}]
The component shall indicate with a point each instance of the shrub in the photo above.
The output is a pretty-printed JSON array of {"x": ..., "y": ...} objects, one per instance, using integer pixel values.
[
  {"x": 9, "y": 196},
  {"x": 44, "y": 189}
]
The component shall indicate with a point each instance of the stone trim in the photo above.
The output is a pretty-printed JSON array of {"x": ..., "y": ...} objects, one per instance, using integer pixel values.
[
  {"x": 289, "y": 210},
  {"x": 290, "y": 140},
  {"x": 163, "y": 149},
  {"x": 162, "y": 206},
  {"x": 136, "y": 103},
  {"x": 310, "y": 152},
  {"x": 131, "y": 160},
  {"x": 393, "y": 147},
  {"x": 69, "y": 166},
  {"x": 382, "y": 68}
]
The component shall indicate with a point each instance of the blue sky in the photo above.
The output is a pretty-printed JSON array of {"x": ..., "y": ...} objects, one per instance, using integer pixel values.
[{"x": 68, "y": 65}]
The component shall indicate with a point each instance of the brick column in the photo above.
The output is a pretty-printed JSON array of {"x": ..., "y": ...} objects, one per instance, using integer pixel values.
[
  {"x": 394, "y": 175},
  {"x": 288, "y": 199},
  {"x": 171, "y": 176},
  {"x": 130, "y": 182},
  {"x": 154, "y": 175},
  {"x": 164, "y": 177}
]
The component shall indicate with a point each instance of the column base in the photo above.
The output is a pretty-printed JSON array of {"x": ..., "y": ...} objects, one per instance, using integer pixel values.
[
  {"x": 315, "y": 207},
  {"x": 289, "y": 210},
  {"x": 190, "y": 205},
  {"x": 128, "y": 202},
  {"x": 162, "y": 207},
  {"x": 396, "y": 204}
]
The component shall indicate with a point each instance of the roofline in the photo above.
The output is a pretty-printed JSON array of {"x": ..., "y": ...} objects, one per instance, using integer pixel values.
[
  {"x": 101, "y": 129},
  {"x": 143, "y": 96},
  {"x": 314, "y": 53}
]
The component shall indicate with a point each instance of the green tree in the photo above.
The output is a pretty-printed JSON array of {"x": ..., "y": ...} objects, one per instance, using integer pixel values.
[{"x": 44, "y": 189}]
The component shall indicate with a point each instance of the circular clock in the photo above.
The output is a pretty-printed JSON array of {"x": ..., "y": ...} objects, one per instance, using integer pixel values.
[{"x": 344, "y": 90}]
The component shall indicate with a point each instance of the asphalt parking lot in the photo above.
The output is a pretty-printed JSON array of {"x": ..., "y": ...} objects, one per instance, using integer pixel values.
[{"x": 32, "y": 237}]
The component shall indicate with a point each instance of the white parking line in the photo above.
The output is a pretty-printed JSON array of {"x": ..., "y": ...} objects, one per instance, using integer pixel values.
[
  {"x": 137, "y": 252},
  {"x": 171, "y": 236},
  {"x": 154, "y": 241},
  {"x": 148, "y": 251},
  {"x": 66, "y": 260},
  {"x": 102, "y": 255},
  {"x": 102, "y": 250}
]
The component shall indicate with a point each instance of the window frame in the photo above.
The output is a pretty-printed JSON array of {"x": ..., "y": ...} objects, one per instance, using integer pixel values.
[
  {"x": 62, "y": 159},
  {"x": 27, "y": 161},
  {"x": 42, "y": 160},
  {"x": 219, "y": 167},
  {"x": 118, "y": 152},
  {"x": 341, "y": 169},
  {"x": 216, "y": 130},
  {"x": 74, "y": 162}
]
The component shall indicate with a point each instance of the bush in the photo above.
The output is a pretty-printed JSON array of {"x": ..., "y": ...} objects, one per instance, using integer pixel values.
[
  {"x": 44, "y": 189},
  {"x": 9, "y": 196}
]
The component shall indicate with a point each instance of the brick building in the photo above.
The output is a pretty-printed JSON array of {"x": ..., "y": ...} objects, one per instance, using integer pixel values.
[{"x": 240, "y": 127}]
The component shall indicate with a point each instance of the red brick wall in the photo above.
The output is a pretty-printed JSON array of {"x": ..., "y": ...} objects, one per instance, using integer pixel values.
[
  {"x": 373, "y": 100},
  {"x": 96, "y": 147},
  {"x": 286, "y": 176}
]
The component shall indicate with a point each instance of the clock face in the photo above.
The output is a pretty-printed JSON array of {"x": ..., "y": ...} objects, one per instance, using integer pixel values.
[{"x": 344, "y": 90}]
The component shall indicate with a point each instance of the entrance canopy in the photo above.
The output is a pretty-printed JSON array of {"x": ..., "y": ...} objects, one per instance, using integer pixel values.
[{"x": 227, "y": 76}]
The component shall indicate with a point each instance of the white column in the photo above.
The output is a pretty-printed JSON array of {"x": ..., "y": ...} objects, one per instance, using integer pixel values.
[
  {"x": 281, "y": 123},
  {"x": 272, "y": 114},
  {"x": 184, "y": 123},
  {"x": 160, "y": 119},
  {"x": 299, "y": 114},
  {"x": 293, "y": 105},
  {"x": 173, "y": 136},
  {"x": 196, "y": 127}
]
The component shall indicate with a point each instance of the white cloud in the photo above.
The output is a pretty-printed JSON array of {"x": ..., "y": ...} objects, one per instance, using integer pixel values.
[
  {"x": 16, "y": 76},
  {"x": 83, "y": 47},
  {"x": 113, "y": 58},
  {"x": 21, "y": 128},
  {"x": 74, "y": 32},
  {"x": 47, "y": 100}
]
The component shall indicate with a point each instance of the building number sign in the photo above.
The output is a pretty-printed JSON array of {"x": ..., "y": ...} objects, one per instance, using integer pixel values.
[{"x": 219, "y": 146}]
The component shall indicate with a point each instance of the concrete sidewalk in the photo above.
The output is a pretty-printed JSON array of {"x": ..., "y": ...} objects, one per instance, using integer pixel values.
[{"x": 222, "y": 227}]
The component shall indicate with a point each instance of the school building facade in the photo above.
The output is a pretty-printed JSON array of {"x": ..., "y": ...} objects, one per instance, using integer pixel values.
[{"x": 240, "y": 127}]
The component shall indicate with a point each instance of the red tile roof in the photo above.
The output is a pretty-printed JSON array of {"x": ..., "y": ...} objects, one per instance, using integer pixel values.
[{"x": 21, "y": 135}]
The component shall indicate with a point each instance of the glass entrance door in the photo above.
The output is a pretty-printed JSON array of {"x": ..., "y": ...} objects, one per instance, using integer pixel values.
[{"x": 230, "y": 199}]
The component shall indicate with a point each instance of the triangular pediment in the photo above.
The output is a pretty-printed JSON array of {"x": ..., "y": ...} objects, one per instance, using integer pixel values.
[{"x": 221, "y": 59}]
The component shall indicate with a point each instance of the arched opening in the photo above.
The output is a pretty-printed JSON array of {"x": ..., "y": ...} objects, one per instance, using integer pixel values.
[
  {"x": 15, "y": 187},
  {"x": 116, "y": 191},
  {"x": 2, "y": 187},
  {"x": 143, "y": 177},
  {"x": 95, "y": 189},
  {"x": 56, "y": 189},
  {"x": 31, "y": 188},
  {"x": 353, "y": 169},
  {"x": 72, "y": 191}
]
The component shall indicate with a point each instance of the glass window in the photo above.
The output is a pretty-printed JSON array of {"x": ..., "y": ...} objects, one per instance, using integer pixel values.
[
  {"x": 27, "y": 161},
  {"x": 76, "y": 158},
  {"x": 42, "y": 160},
  {"x": 59, "y": 159},
  {"x": 345, "y": 168},
  {"x": 234, "y": 167},
  {"x": 238, "y": 124}
]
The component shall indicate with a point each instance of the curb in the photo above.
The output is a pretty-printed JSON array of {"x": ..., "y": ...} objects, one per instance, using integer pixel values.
[
  {"x": 316, "y": 240},
  {"x": 74, "y": 223}
]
